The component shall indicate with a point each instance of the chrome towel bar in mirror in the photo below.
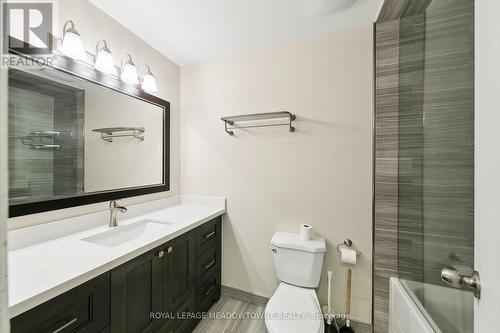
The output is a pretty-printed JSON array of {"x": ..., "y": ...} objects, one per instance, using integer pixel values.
[
  {"x": 109, "y": 133},
  {"x": 41, "y": 140}
]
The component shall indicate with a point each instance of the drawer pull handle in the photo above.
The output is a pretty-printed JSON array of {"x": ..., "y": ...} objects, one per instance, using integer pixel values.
[
  {"x": 67, "y": 324},
  {"x": 207, "y": 236},
  {"x": 210, "y": 264},
  {"x": 161, "y": 254},
  {"x": 209, "y": 290}
]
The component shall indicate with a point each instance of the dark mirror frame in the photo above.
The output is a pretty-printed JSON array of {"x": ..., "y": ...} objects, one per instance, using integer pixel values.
[{"x": 88, "y": 73}]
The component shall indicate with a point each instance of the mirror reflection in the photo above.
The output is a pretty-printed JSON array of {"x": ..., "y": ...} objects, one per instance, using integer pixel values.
[{"x": 69, "y": 136}]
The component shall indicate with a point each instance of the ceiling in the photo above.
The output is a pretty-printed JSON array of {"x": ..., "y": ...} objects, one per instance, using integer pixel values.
[{"x": 193, "y": 31}]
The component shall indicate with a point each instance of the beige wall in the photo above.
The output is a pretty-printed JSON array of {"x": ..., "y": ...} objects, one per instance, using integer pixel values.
[
  {"x": 275, "y": 180},
  {"x": 93, "y": 25},
  {"x": 125, "y": 162}
]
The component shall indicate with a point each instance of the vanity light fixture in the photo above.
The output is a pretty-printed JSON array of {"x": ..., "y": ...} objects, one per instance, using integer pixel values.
[
  {"x": 129, "y": 71},
  {"x": 148, "y": 81},
  {"x": 103, "y": 58},
  {"x": 72, "y": 44}
]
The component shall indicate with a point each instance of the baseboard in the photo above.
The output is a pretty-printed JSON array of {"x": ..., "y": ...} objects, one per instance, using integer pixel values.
[
  {"x": 244, "y": 296},
  {"x": 358, "y": 327}
]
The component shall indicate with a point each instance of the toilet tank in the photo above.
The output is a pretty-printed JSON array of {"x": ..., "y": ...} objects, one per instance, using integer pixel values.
[{"x": 297, "y": 261}]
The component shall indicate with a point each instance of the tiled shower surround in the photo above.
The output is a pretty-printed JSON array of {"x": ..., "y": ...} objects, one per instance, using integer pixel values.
[
  {"x": 424, "y": 148},
  {"x": 36, "y": 104}
]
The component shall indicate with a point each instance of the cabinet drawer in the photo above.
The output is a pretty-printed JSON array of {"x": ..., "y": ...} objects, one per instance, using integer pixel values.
[
  {"x": 85, "y": 308},
  {"x": 208, "y": 263},
  {"x": 208, "y": 294},
  {"x": 207, "y": 235}
]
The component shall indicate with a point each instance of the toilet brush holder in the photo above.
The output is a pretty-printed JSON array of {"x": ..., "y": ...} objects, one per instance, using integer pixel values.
[
  {"x": 330, "y": 320},
  {"x": 328, "y": 312},
  {"x": 330, "y": 328}
]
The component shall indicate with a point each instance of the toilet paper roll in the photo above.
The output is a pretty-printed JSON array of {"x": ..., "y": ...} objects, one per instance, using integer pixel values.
[
  {"x": 348, "y": 255},
  {"x": 306, "y": 232}
]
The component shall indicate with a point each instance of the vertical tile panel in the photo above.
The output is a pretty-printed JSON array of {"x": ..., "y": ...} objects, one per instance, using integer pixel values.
[
  {"x": 449, "y": 138},
  {"x": 386, "y": 169},
  {"x": 411, "y": 147},
  {"x": 68, "y": 159}
]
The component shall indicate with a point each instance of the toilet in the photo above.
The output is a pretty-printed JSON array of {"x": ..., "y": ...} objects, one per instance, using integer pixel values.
[{"x": 294, "y": 307}]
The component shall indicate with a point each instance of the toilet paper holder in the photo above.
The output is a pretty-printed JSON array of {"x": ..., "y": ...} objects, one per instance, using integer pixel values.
[{"x": 347, "y": 243}]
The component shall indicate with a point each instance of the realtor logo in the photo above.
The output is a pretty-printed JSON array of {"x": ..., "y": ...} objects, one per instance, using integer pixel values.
[{"x": 28, "y": 28}]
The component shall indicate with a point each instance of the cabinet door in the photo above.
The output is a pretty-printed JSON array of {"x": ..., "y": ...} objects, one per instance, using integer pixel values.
[
  {"x": 136, "y": 294},
  {"x": 180, "y": 271},
  {"x": 84, "y": 309},
  {"x": 182, "y": 318}
]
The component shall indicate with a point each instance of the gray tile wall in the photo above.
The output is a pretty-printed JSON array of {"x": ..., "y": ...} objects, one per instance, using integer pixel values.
[
  {"x": 37, "y": 104},
  {"x": 30, "y": 170},
  {"x": 385, "y": 246},
  {"x": 424, "y": 143},
  {"x": 395, "y": 9},
  {"x": 448, "y": 211},
  {"x": 68, "y": 160},
  {"x": 411, "y": 147}
]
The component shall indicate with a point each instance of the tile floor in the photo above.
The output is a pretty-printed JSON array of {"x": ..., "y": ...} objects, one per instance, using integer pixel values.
[{"x": 235, "y": 316}]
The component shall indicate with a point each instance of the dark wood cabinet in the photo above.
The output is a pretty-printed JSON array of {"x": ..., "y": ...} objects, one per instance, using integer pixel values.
[
  {"x": 182, "y": 318},
  {"x": 163, "y": 290},
  {"x": 179, "y": 271},
  {"x": 84, "y": 309},
  {"x": 136, "y": 294},
  {"x": 207, "y": 235},
  {"x": 208, "y": 264}
]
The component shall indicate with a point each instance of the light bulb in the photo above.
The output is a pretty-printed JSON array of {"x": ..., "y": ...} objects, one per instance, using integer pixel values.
[
  {"x": 72, "y": 44},
  {"x": 149, "y": 81},
  {"x": 129, "y": 72},
  {"x": 104, "y": 60}
]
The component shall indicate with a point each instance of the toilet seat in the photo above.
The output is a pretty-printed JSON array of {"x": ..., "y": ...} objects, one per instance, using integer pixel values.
[{"x": 294, "y": 309}]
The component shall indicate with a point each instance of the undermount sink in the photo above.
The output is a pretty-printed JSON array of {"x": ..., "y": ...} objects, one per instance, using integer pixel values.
[{"x": 126, "y": 233}]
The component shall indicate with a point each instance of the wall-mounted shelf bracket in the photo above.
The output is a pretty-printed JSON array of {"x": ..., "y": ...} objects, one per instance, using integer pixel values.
[
  {"x": 231, "y": 123},
  {"x": 109, "y": 133}
]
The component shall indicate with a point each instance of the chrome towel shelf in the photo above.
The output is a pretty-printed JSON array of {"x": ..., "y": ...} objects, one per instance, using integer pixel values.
[
  {"x": 41, "y": 140},
  {"x": 109, "y": 133},
  {"x": 231, "y": 123}
]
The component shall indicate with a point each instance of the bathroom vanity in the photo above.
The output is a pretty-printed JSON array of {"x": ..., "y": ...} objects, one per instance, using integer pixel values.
[
  {"x": 80, "y": 137},
  {"x": 137, "y": 277}
]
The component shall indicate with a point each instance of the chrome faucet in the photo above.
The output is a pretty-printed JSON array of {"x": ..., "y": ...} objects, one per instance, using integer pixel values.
[{"x": 114, "y": 207}]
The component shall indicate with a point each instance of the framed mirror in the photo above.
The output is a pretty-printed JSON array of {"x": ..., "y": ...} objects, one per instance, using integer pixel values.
[{"x": 78, "y": 136}]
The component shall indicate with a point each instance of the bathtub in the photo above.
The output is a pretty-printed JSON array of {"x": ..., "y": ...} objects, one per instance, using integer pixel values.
[{"x": 446, "y": 310}]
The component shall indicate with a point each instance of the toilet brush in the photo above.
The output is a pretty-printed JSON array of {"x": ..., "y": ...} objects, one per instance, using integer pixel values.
[
  {"x": 347, "y": 327},
  {"x": 328, "y": 312}
]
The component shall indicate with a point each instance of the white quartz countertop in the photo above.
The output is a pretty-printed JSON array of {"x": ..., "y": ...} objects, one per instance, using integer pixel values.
[{"x": 44, "y": 270}]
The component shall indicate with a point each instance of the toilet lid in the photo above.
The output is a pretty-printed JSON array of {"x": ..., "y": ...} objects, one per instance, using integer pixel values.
[{"x": 294, "y": 309}]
